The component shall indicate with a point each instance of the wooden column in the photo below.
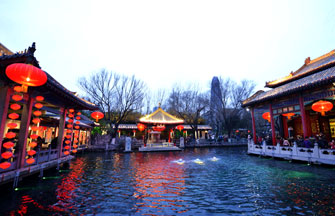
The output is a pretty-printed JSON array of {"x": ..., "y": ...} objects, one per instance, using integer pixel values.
[
  {"x": 303, "y": 116},
  {"x": 23, "y": 134},
  {"x": 253, "y": 125},
  {"x": 272, "y": 126},
  {"x": 285, "y": 127},
  {"x": 5, "y": 93},
  {"x": 61, "y": 127}
]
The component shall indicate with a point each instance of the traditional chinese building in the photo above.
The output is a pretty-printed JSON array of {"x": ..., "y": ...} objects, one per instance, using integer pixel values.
[
  {"x": 299, "y": 105},
  {"x": 40, "y": 126}
]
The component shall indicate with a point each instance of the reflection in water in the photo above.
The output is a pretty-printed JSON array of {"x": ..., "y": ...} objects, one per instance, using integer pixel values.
[
  {"x": 158, "y": 183},
  {"x": 229, "y": 182}
]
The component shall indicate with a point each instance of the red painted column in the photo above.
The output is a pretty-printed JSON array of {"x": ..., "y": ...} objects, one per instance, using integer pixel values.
[
  {"x": 285, "y": 128},
  {"x": 61, "y": 127},
  {"x": 253, "y": 125},
  {"x": 24, "y": 130},
  {"x": 5, "y": 97},
  {"x": 272, "y": 126},
  {"x": 303, "y": 116}
]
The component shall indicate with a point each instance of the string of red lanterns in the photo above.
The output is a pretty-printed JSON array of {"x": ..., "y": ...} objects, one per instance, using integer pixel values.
[
  {"x": 75, "y": 141},
  {"x": 9, "y": 144},
  {"x": 36, "y": 120},
  {"x": 69, "y": 131},
  {"x": 180, "y": 128},
  {"x": 141, "y": 127}
]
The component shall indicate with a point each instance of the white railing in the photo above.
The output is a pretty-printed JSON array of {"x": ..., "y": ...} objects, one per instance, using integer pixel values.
[{"x": 311, "y": 155}]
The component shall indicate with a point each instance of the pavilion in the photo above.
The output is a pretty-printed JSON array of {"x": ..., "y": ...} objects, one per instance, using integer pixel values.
[
  {"x": 159, "y": 129},
  {"x": 48, "y": 113},
  {"x": 297, "y": 106}
]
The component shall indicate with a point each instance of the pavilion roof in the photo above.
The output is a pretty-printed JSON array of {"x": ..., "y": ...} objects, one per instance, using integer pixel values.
[
  {"x": 319, "y": 79},
  {"x": 161, "y": 117},
  {"x": 311, "y": 66}
]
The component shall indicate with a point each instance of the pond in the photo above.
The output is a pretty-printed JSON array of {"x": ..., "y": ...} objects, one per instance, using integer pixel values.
[{"x": 223, "y": 181}]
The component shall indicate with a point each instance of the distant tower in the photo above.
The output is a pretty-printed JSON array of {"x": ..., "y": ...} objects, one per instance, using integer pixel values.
[{"x": 215, "y": 104}]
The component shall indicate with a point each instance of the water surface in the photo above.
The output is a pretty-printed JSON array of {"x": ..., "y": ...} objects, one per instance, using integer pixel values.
[{"x": 155, "y": 184}]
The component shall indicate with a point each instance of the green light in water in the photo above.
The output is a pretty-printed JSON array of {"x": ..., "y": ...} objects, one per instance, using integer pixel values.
[
  {"x": 16, "y": 189},
  {"x": 64, "y": 170},
  {"x": 51, "y": 177},
  {"x": 296, "y": 174}
]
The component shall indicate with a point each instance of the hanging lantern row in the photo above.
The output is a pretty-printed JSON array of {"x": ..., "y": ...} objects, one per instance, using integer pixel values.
[
  {"x": 69, "y": 131},
  {"x": 75, "y": 141},
  {"x": 322, "y": 107},
  {"x": 36, "y": 120},
  {"x": 9, "y": 144},
  {"x": 97, "y": 115}
]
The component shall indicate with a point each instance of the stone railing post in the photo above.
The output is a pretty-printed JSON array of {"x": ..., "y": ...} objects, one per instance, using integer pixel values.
[
  {"x": 295, "y": 150},
  {"x": 316, "y": 153}
]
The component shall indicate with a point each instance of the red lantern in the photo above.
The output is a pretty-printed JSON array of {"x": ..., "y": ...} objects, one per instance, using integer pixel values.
[
  {"x": 34, "y": 136},
  {"x": 322, "y": 106},
  {"x": 69, "y": 125},
  {"x": 76, "y": 127},
  {"x": 248, "y": 131},
  {"x": 67, "y": 147},
  {"x": 18, "y": 88},
  {"x": 74, "y": 150},
  {"x": 180, "y": 127},
  {"x": 37, "y": 113},
  {"x": 26, "y": 74},
  {"x": 289, "y": 115},
  {"x": 141, "y": 127},
  {"x": 66, "y": 153},
  {"x": 158, "y": 128},
  {"x": 15, "y": 106},
  {"x": 30, "y": 160},
  {"x": 8, "y": 145},
  {"x": 68, "y": 131},
  {"x": 38, "y": 105},
  {"x": 36, "y": 120},
  {"x": 31, "y": 152},
  {"x": 78, "y": 113},
  {"x": 78, "y": 118},
  {"x": 67, "y": 141},
  {"x": 5, "y": 165},
  {"x": 17, "y": 97},
  {"x": 237, "y": 131},
  {"x": 75, "y": 146},
  {"x": 7, "y": 155},
  {"x": 34, "y": 128},
  {"x": 70, "y": 115},
  {"x": 97, "y": 115},
  {"x": 70, "y": 120},
  {"x": 266, "y": 116},
  {"x": 10, "y": 135},
  {"x": 13, "y": 116},
  {"x": 77, "y": 122},
  {"x": 39, "y": 98},
  {"x": 68, "y": 136},
  {"x": 75, "y": 141},
  {"x": 12, "y": 125},
  {"x": 71, "y": 110},
  {"x": 33, "y": 144}
]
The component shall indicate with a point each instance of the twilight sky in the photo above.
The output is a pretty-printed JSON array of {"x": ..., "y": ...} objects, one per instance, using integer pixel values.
[{"x": 167, "y": 42}]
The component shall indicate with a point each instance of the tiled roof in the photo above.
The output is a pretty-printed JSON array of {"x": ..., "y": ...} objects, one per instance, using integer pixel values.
[
  {"x": 310, "y": 66},
  {"x": 313, "y": 80},
  {"x": 161, "y": 117}
]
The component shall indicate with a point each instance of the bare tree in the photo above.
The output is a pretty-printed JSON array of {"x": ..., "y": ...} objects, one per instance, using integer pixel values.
[
  {"x": 116, "y": 95},
  {"x": 189, "y": 104},
  {"x": 229, "y": 114}
]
